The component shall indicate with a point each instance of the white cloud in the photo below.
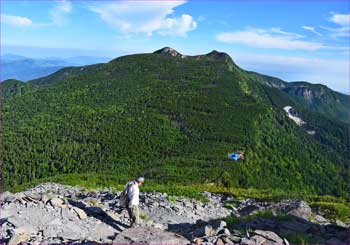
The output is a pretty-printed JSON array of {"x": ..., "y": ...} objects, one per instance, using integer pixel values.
[
  {"x": 58, "y": 17},
  {"x": 59, "y": 13},
  {"x": 17, "y": 21},
  {"x": 279, "y": 31},
  {"x": 145, "y": 17},
  {"x": 178, "y": 26},
  {"x": 312, "y": 29},
  {"x": 274, "y": 38},
  {"x": 342, "y": 21}
]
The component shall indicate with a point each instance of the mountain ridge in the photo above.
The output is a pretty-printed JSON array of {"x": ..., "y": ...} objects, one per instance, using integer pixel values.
[{"x": 175, "y": 119}]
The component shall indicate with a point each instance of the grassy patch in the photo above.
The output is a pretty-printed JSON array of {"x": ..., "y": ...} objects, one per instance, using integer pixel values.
[
  {"x": 266, "y": 215},
  {"x": 232, "y": 220},
  {"x": 332, "y": 211},
  {"x": 231, "y": 204},
  {"x": 302, "y": 239},
  {"x": 172, "y": 199},
  {"x": 145, "y": 217},
  {"x": 93, "y": 203}
]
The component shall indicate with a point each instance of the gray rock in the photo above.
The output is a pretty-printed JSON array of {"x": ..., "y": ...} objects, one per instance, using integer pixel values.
[
  {"x": 69, "y": 225},
  {"x": 17, "y": 220},
  {"x": 206, "y": 231},
  {"x": 301, "y": 210},
  {"x": 102, "y": 232},
  {"x": 44, "y": 199},
  {"x": 7, "y": 197},
  {"x": 293, "y": 207},
  {"x": 112, "y": 215},
  {"x": 295, "y": 226},
  {"x": 247, "y": 241},
  {"x": 234, "y": 238},
  {"x": 33, "y": 196},
  {"x": 258, "y": 239},
  {"x": 6, "y": 213},
  {"x": 19, "y": 236},
  {"x": 81, "y": 214},
  {"x": 20, "y": 195},
  {"x": 69, "y": 214},
  {"x": 73, "y": 231},
  {"x": 340, "y": 223},
  {"x": 224, "y": 231},
  {"x": 53, "y": 228},
  {"x": 334, "y": 240},
  {"x": 218, "y": 224},
  {"x": 320, "y": 219},
  {"x": 28, "y": 228},
  {"x": 197, "y": 240},
  {"x": 56, "y": 202},
  {"x": 219, "y": 241},
  {"x": 148, "y": 236},
  {"x": 227, "y": 240},
  {"x": 269, "y": 235}
]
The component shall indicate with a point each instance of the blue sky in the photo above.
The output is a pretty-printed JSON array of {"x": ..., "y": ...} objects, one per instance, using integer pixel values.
[{"x": 293, "y": 40}]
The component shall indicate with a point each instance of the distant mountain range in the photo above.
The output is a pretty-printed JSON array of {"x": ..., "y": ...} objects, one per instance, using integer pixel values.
[
  {"x": 175, "y": 118},
  {"x": 23, "y": 68}
]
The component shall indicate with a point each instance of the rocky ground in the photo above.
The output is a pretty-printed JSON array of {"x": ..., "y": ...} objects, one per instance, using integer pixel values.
[{"x": 57, "y": 214}]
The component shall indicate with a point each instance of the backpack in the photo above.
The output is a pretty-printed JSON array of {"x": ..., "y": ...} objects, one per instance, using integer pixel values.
[{"x": 124, "y": 195}]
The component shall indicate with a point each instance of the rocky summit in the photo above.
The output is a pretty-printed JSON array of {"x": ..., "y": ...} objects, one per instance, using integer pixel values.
[{"x": 58, "y": 214}]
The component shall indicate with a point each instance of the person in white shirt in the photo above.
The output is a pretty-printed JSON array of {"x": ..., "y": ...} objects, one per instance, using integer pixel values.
[{"x": 134, "y": 200}]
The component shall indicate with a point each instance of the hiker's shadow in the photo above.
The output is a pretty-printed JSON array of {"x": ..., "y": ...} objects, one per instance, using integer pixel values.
[{"x": 100, "y": 214}]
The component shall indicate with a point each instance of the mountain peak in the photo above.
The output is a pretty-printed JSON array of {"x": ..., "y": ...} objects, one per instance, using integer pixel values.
[
  {"x": 217, "y": 54},
  {"x": 168, "y": 51}
]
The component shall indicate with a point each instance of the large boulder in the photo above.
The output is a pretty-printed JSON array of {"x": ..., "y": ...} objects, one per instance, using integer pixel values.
[
  {"x": 81, "y": 214},
  {"x": 301, "y": 210},
  {"x": 102, "y": 233},
  {"x": 148, "y": 235},
  {"x": 269, "y": 236},
  {"x": 57, "y": 202},
  {"x": 293, "y": 207},
  {"x": 19, "y": 236},
  {"x": 7, "y": 197},
  {"x": 73, "y": 231}
]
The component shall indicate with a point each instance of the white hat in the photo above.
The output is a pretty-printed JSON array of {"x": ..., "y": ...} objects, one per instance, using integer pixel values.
[{"x": 140, "y": 179}]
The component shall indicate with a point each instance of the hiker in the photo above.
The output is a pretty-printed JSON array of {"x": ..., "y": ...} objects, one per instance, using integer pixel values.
[{"x": 130, "y": 199}]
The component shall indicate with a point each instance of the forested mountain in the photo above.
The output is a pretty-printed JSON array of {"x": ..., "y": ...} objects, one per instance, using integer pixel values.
[
  {"x": 314, "y": 97},
  {"x": 173, "y": 118},
  {"x": 319, "y": 98}
]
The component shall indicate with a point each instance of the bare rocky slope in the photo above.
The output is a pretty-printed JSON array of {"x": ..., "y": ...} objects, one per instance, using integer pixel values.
[{"x": 57, "y": 214}]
